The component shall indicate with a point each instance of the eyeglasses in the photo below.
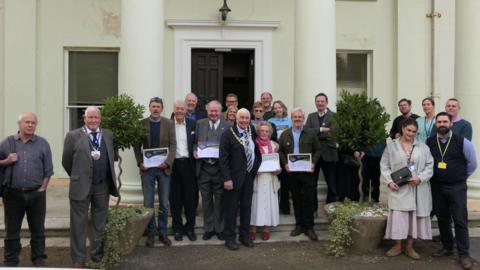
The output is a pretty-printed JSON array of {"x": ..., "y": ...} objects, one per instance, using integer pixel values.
[{"x": 258, "y": 110}]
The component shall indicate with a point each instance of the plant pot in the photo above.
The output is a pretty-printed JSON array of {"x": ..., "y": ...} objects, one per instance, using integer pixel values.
[
  {"x": 367, "y": 232},
  {"x": 134, "y": 231}
]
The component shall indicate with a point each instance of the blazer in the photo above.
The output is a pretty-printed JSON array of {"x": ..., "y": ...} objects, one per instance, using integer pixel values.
[
  {"x": 167, "y": 139},
  {"x": 233, "y": 161},
  {"x": 201, "y": 130},
  {"x": 77, "y": 162},
  {"x": 308, "y": 143},
  {"x": 328, "y": 148},
  {"x": 190, "y": 132}
]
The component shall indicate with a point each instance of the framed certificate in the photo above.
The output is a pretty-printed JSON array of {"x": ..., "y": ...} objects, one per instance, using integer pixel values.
[
  {"x": 153, "y": 157},
  {"x": 300, "y": 162},
  {"x": 270, "y": 163},
  {"x": 208, "y": 150}
]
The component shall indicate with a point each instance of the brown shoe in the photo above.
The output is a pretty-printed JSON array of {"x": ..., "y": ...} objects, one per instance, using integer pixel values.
[
  {"x": 466, "y": 263},
  {"x": 410, "y": 252},
  {"x": 164, "y": 239},
  {"x": 442, "y": 253},
  {"x": 79, "y": 265},
  {"x": 296, "y": 232},
  {"x": 150, "y": 241},
  {"x": 393, "y": 252},
  {"x": 310, "y": 233},
  {"x": 40, "y": 262}
]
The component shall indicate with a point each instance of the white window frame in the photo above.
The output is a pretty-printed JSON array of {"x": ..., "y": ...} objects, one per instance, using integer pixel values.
[
  {"x": 67, "y": 107},
  {"x": 369, "y": 54}
]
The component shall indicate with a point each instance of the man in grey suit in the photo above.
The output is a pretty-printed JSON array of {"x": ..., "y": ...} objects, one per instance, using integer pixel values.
[
  {"x": 209, "y": 131},
  {"x": 321, "y": 122},
  {"x": 88, "y": 158}
]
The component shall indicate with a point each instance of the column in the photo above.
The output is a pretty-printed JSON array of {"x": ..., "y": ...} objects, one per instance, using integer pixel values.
[
  {"x": 315, "y": 54},
  {"x": 140, "y": 71},
  {"x": 467, "y": 80}
]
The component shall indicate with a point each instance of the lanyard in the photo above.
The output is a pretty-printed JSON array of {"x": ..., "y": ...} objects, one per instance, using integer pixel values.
[
  {"x": 429, "y": 130},
  {"x": 99, "y": 134},
  {"x": 442, "y": 154}
]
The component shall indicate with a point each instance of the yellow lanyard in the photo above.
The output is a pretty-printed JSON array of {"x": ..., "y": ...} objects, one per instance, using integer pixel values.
[{"x": 442, "y": 154}]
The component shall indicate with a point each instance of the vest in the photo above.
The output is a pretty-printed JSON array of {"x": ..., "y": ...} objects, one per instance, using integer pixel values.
[
  {"x": 101, "y": 167},
  {"x": 456, "y": 171}
]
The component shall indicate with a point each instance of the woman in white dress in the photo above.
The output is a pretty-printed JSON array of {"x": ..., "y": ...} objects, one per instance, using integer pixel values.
[
  {"x": 265, "y": 198},
  {"x": 409, "y": 205}
]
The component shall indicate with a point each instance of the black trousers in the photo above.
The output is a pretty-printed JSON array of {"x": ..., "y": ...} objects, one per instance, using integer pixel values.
[
  {"x": 232, "y": 200},
  {"x": 183, "y": 194},
  {"x": 450, "y": 202},
  {"x": 284, "y": 200},
  {"x": 16, "y": 205},
  {"x": 302, "y": 186},
  {"x": 371, "y": 177},
  {"x": 329, "y": 170}
]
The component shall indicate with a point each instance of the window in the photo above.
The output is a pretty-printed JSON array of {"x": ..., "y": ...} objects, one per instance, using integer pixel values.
[
  {"x": 92, "y": 76},
  {"x": 353, "y": 72}
]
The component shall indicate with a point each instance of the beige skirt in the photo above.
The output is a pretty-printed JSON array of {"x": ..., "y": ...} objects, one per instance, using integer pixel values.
[{"x": 402, "y": 224}]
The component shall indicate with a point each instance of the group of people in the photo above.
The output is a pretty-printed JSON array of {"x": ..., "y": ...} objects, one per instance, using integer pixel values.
[{"x": 435, "y": 148}]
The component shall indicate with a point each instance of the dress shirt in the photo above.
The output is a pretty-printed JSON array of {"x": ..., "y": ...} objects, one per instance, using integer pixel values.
[
  {"x": 215, "y": 125},
  {"x": 90, "y": 136},
  {"x": 296, "y": 140},
  {"x": 181, "y": 136},
  {"x": 322, "y": 113}
]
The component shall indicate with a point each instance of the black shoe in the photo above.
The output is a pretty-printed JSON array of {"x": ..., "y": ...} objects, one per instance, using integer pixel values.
[
  {"x": 442, "y": 253},
  {"x": 297, "y": 231},
  {"x": 310, "y": 233},
  {"x": 150, "y": 241},
  {"x": 466, "y": 263},
  {"x": 231, "y": 244},
  {"x": 247, "y": 242},
  {"x": 164, "y": 239},
  {"x": 178, "y": 236},
  {"x": 40, "y": 262},
  {"x": 191, "y": 236},
  {"x": 220, "y": 236},
  {"x": 207, "y": 235},
  {"x": 436, "y": 238}
]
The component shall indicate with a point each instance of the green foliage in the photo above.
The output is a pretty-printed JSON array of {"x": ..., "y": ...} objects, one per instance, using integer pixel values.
[
  {"x": 117, "y": 221},
  {"x": 340, "y": 227},
  {"x": 359, "y": 121},
  {"x": 121, "y": 115}
]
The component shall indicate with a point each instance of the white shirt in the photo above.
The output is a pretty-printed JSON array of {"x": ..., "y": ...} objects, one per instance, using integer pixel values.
[
  {"x": 181, "y": 136},
  {"x": 215, "y": 125},
  {"x": 90, "y": 136}
]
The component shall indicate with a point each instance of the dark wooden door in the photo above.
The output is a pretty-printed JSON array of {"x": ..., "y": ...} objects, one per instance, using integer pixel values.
[{"x": 207, "y": 76}]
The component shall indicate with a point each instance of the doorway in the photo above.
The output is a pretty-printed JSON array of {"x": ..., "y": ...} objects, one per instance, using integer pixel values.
[{"x": 218, "y": 72}]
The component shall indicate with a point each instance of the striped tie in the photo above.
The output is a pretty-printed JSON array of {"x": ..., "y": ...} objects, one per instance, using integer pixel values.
[{"x": 248, "y": 152}]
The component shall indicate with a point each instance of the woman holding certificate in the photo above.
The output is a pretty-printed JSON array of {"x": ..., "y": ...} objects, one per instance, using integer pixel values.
[
  {"x": 410, "y": 201},
  {"x": 265, "y": 186}
]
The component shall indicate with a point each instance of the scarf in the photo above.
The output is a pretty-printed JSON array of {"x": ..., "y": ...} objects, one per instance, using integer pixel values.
[{"x": 262, "y": 144}]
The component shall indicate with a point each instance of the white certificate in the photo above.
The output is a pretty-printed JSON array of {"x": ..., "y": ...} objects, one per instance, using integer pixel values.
[
  {"x": 208, "y": 150},
  {"x": 300, "y": 162},
  {"x": 153, "y": 157},
  {"x": 270, "y": 163}
]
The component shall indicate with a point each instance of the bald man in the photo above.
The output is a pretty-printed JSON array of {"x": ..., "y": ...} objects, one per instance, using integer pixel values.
[{"x": 27, "y": 160}]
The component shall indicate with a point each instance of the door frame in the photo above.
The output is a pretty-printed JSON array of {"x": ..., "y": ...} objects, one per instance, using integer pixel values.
[{"x": 194, "y": 34}]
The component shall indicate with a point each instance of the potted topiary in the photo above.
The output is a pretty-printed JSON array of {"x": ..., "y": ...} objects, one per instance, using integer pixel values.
[
  {"x": 358, "y": 124},
  {"x": 126, "y": 223}
]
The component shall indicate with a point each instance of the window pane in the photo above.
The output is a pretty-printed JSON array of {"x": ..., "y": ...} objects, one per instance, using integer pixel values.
[
  {"x": 352, "y": 71},
  {"x": 76, "y": 117},
  {"x": 92, "y": 77}
]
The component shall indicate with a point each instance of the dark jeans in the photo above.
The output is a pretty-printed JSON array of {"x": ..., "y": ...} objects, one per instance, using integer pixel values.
[
  {"x": 183, "y": 190},
  {"x": 232, "y": 200},
  {"x": 371, "y": 177},
  {"x": 330, "y": 174},
  {"x": 149, "y": 178},
  {"x": 284, "y": 200},
  {"x": 16, "y": 205},
  {"x": 450, "y": 201},
  {"x": 348, "y": 181},
  {"x": 303, "y": 194}
]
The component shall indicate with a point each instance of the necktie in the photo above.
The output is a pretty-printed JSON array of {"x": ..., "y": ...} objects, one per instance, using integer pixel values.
[
  {"x": 248, "y": 152},
  {"x": 94, "y": 139}
]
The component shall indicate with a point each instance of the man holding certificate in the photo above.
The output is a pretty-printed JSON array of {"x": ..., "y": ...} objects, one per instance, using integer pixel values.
[
  {"x": 154, "y": 159},
  {"x": 299, "y": 151},
  {"x": 206, "y": 150}
]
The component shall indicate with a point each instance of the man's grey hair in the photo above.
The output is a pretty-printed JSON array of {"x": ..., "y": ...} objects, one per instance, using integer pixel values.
[
  {"x": 266, "y": 93},
  {"x": 22, "y": 115},
  {"x": 179, "y": 103},
  {"x": 243, "y": 110},
  {"x": 298, "y": 109},
  {"x": 191, "y": 94},
  {"x": 91, "y": 109},
  {"x": 214, "y": 102}
]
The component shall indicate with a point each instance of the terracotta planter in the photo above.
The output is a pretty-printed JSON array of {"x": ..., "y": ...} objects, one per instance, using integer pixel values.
[
  {"x": 134, "y": 231},
  {"x": 367, "y": 232}
]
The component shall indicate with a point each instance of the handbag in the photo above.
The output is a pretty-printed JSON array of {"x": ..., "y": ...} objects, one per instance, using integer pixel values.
[{"x": 403, "y": 175}]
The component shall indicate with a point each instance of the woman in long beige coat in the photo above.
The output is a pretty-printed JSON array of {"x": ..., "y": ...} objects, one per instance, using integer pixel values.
[{"x": 409, "y": 205}]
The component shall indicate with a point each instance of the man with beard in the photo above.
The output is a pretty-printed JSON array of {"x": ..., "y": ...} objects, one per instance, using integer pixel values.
[
  {"x": 405, "y": 107},
  {"x": 455, "y": 161}
]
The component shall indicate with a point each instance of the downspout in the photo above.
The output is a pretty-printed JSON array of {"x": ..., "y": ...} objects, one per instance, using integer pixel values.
[{"x": 432, "y": 15}]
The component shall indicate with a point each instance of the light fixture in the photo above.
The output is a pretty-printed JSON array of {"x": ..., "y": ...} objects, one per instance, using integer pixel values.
[{"x": 224, "y": 10}]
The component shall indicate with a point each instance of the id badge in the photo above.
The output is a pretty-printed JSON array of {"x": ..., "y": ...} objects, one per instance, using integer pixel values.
[
  {"x": 442, "y": 165},
  {"x": 411, "y": 167},
  {"x": 95, "y": 154}
]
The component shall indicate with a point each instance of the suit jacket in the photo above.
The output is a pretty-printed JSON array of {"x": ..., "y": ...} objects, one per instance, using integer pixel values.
[
  {"x": 77, "y": 162},
  {"x": 233, "y": 161},
  {"x": 328, "y": 148},
  {"x": 190, "y": 132},
  {"x": 308, "y": 143},
  {"x": 201, "y": 130},
  {"x": 167, "y": 139}
]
